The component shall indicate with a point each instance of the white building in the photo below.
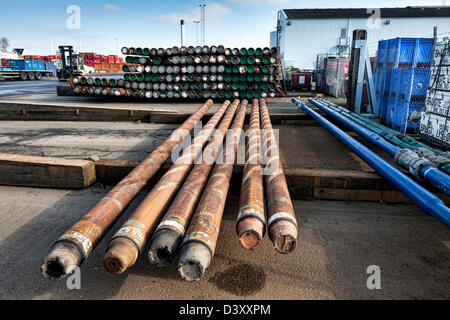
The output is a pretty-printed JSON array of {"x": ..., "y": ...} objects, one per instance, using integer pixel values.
[{"x": 302, "y": 34}]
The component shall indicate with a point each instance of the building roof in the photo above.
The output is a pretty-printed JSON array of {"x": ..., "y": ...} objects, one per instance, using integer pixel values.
[{"x": 407, "y": 12}]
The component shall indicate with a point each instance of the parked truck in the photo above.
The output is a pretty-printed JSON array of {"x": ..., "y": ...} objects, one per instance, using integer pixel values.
[{"x": 24, "y": 69}]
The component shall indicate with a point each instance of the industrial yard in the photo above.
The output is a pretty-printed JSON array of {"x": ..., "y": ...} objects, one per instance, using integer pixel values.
[
  {"x": 201, "y": 171},
  {"x": 338, "y": 239}
]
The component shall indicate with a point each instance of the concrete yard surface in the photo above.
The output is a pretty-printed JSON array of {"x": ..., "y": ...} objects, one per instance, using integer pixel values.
[{"x": 337, "y": 243}]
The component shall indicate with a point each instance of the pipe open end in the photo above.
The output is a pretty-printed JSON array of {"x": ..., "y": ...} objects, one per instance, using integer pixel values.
[
  {"x": 121, "y": 254},
  {"x": 61, "y": 261},
  {"x": 195, "y": 258},
  {"x": 250, "y": 240},
  {"x": 284, "y": 236},
  {"x": 250, "y": 231},
  {"x": 164, "y": 247}
]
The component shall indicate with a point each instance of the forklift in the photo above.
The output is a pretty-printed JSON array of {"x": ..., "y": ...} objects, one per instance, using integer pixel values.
[{"x": 71, "y": 64}]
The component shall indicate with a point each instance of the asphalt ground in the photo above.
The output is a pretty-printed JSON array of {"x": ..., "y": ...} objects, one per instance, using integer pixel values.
[{"x": 338, "y": 241}]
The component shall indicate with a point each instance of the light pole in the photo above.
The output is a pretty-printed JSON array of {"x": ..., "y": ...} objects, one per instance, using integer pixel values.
[
  {"x": 117, "y": 49},
  {"x": 196, "y": 31},
  {"x": 202, "y": 19}
]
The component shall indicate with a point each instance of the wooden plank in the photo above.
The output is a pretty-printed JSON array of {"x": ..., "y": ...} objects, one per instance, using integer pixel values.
[
  {"x": 31, "y": 171},
  {"x": 301, "y": 182},
  {"x": 50, "y": 112},
  {"x": 388, "y": 196}
]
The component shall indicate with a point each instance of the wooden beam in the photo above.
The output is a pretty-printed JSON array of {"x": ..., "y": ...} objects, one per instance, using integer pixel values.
[
  {"x": 22, "y": 170},
  {"x": 389, "y": 196},
  {"x": 54, "y": 112}
]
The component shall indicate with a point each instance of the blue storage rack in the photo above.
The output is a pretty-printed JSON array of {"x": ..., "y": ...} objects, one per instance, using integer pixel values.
[
  {"x": 409, "y": 53},
  {"x": 402, "y": 114},
  {"x": 401, "y": 78},
  {"x": 386, "y": 92}
]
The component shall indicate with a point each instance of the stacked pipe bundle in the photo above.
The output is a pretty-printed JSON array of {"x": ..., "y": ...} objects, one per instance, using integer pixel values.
[
  {"x": 419, "y": 164},
  {"x": 183, "y": 211},
  {"x": 190, "y": 73}
]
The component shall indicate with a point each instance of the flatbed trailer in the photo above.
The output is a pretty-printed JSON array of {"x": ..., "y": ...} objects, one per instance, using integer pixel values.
[{"x": 24, "y": 74}]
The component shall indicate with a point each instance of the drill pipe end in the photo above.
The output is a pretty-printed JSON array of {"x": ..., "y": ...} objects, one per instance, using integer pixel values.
[
  {"x": 195, "y": 258},
  {"x": 250, "y": 231},
  {"x": 284, "y": 236},
  {"x": 164, "y": 247},
  {"x": 61, "y": 261},
  {"x": 121, "y": 254}
]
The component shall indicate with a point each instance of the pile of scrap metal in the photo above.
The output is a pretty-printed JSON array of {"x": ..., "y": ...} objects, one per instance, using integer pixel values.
[{"x": 183, "y": 212}]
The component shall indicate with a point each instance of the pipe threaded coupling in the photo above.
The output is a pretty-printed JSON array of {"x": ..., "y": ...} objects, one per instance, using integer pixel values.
[{"x": 404, "y": 156}]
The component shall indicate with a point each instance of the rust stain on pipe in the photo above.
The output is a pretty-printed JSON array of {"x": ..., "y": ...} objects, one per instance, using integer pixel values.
[
  {"x": 282, "y": 223},
  {"x": 251, "y": 222},
  {"x": 199, "y": 244},
  {"x": 171, "y": 229},
  {"x": 77, "y": 243},
  {"x": 128, "y": 242}
]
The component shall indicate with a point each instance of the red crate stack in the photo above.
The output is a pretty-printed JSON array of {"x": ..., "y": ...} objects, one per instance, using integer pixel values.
[
  {"x": 112, "y": 59},
  {"x": 32, "y": 57},
  {"x": 6, "y": 63},
  {"x": 97, "y": 58},
  {"x": 52, "y": 58},
  {"x": 88, "y": 58}
]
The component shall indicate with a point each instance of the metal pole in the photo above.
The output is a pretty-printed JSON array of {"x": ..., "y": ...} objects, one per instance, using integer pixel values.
[
  {"x": 196, "y": 32},
  {"x": 281, "y": 221},
  {"x": 199, "y": 244},
  {"x": 251, "y": 222},
  {"x": 421, "y": 167},
  {"x": 424, "y": 199},
  {"x": 182, "y": 32},
  {"x": 128, "y": 242},
  {"x": 75, "y": 246},
  {"x": 204, "y": 24},
  {"x": 201, "y": 24},
  {"x": 171, "y": 230},
  {"x": 117, "y": 50}
]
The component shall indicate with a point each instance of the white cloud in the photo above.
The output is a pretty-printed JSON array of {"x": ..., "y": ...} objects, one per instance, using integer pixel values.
[
  {"x": 259, "y": 2},
  {"x": 214, "y": 13},
  {"x": 111, "y": 8}
]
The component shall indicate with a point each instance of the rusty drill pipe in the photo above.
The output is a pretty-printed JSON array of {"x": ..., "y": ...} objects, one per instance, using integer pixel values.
[
  {"x": 199, "y": 244},
  {"x": 170, "y": 231},
  {"x": 128, "y": 242},
  {"x": 251, "y": 222},
  {"x": 77, "y": 243},
  {"x": 282, "y": 224}
]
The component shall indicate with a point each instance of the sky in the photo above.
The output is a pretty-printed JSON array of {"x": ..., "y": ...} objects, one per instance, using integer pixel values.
[{"x": 105, "y": 25}]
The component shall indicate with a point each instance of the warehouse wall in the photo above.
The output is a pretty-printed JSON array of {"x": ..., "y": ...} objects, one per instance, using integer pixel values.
[{"x": 301, "y": 41}]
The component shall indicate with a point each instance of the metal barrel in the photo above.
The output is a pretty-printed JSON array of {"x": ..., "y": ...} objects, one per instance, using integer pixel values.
[
  {"x": 281, "y": 221},
  {"x": 170, "y": 231},
  {"x": 127, "y": 243},
  {"x": 75, "y": 246},
  {"x": 198, "y": 246},
  {"x": 251, "y": 222}
]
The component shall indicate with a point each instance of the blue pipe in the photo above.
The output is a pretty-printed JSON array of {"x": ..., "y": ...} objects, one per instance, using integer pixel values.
[
  {"x": 431, "y": 174},
  {"x": 424, "y": 199}
]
